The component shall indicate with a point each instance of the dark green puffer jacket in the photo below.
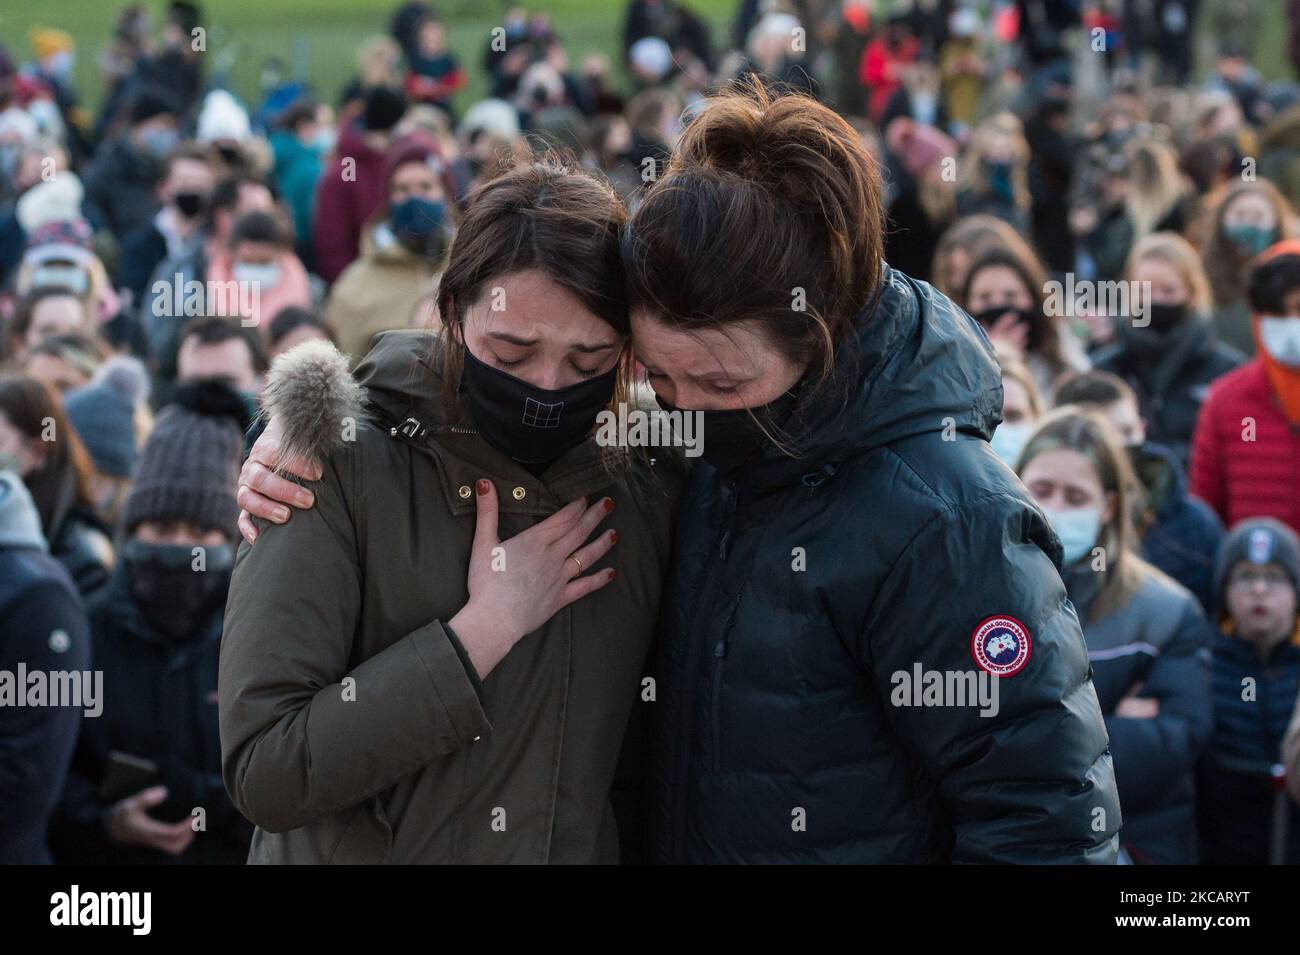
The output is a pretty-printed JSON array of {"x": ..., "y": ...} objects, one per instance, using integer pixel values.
[{"x": 799, "y": 590}]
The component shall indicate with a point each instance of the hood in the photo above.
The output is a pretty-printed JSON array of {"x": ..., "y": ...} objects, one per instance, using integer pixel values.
[
  {"x": 20, "y": 524},
  {"x": 917, "y": 364}
]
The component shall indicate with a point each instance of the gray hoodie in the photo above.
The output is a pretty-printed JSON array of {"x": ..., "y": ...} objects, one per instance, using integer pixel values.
[{"x": 20, "y": 524}]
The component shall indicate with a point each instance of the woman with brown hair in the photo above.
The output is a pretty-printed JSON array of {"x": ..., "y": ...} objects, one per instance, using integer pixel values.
[
  {"x": 429, "y": 665},
  {"x": 849, "y": 536},
  {"x": 1147, "y": 637},
  {"x": 1006, "y": 292},
  {"x": 38, "y": 442}
]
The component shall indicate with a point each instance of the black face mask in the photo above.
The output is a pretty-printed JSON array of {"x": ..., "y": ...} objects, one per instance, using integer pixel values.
[
  {"x": 174, "y": 599},
  {"x": 188, "y": 204},
  {"x": 1165, "y": 317},
  {"x": 1032, "y": 320},
  {"x": 534, "y": 426},
  {"x": 733, "y": 438}
]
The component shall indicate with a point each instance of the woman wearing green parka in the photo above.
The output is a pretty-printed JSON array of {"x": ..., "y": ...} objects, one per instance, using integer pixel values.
[{"x": 429, "y": 665}]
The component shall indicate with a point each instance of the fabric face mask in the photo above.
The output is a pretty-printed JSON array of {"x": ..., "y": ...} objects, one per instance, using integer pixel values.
[
  {"x": 534, "y": 426},
  {"x": 1078, "y": 529},
  {"x": 1250, "y": 240},
  {"x": 258, "y": 274},
  {"x": 173, "y": 598},
  {"x": 732, "y": 438},
  {"x": 1009, "y": 440},
  {"x": 1164, "y": 317},
  {"x": 1281, "y": 339}
]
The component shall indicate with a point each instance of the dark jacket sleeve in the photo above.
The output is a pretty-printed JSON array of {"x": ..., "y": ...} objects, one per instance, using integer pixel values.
[
  {"x": 1031, "y": 783},
  {"x": 1153, "y": 754},
  {"x": 297, "y": 742},
  {"x": 36, "y": 742}
]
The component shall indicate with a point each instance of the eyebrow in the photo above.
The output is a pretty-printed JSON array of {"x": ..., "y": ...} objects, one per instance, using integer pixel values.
[{"x": 529, "y": 342}]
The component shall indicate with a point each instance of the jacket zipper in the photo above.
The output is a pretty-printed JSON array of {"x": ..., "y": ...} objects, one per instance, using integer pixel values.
[
  {"x": 715, "y": 696},
  {"x": 693, "y": 660}
]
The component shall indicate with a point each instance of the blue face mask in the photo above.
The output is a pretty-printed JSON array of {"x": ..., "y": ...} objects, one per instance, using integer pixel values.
[
  {"x": 1078, "y": 529},
  {"x": 999, "y": 174},
  {"x": 160, "y": 141},
  {"x": 1250, "y": 240},
  {"x": 417, "y": 222},
  {"x": 1009, "y": 440}
]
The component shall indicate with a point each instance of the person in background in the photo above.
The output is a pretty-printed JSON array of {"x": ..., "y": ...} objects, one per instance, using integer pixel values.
[
  {"x": 232, "y": 198},
  {"x": 1246, "y": 449},
  {"x": 883, "y": 63},
  {"x": 184, "y": 191},
  {"x": 1256, "y": 679},
  {"x": 122, "y": 185},
  {"x": 1022, "y": 406},
  {"x": 38, "y": 443},
  {"x": 1147, "y": 637},
  {"x": 157, "y": 636},
  {"x": 402, "y": 250},
  {"x": 111, "y": 417},
  {"x": 42, "y": 627},
  {"x": 259, "y": 258},
  {"x": 994, "y": 177},
  {"x": 352, "y": 186},
  {"x": 1250, "y": 217},
  {"x": 965, "y": 241},
  {"x": 434, "y": 75},
  {"x": 1005, "y": 292},
  {"x": 962, "y": 68},
  {"x": 925, "y": 205},
  {"x": 45, "y": 312},
  {"x": 65, "y": 362},
  {"x": 216, "y": 347},
  {"x": 292, "y": 326},
  {"x": 1180, "y": 534},
  {"x": 1168, "y": 353},
  {"x": 302, "y": 140}
]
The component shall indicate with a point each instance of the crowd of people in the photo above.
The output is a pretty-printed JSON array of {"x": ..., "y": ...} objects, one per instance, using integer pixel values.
[{"x": 1023, "y": 147}]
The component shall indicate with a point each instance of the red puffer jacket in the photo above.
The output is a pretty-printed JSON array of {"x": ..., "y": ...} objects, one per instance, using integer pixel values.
[{"x": 1246, "y": 455}]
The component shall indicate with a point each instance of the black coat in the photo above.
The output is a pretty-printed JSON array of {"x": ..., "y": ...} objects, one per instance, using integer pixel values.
[
  {"x": 37, "y": 601},
  {"x": 1235, "y": 799},
  {"x": 160, "y": 704},
  {"x": 801, "y": 589},
  {"x": 1171, "y": 374}
]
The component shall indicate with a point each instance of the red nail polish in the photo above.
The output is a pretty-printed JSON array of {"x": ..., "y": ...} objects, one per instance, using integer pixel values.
[
  {"x": 483, "y": 487},
  {"x": 609, "y": 504},
  {"x": 613, "y": 537},
  {"x": 611, "y": 573}
]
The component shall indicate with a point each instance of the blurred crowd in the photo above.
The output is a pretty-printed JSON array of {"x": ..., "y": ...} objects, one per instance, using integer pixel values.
[{"x": 1039, "y": 156}]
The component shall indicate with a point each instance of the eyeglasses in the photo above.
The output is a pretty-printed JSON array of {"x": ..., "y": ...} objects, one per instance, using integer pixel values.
[{"x": 1246, "y": 579}]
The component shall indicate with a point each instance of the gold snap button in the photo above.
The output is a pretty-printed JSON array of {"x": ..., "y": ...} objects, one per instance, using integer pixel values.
[
  {"x": 518, "y": 493},
  {"x": 464, "y": 491}
]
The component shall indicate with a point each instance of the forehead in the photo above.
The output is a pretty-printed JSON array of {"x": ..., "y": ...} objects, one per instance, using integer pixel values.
[
  {"x": 530, "y": 304},
  {"x": 1064, "y": 466},
  {"x": 740, "y": 345}
]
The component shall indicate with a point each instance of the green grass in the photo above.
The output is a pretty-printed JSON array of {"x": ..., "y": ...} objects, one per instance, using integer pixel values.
[{"x": 319, "y": 39}]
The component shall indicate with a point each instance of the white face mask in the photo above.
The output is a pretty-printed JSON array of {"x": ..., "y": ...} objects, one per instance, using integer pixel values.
[
  {"x": 1078, "y": 529},
  {"x": 1009, "y": 440},
  {"x": 261, "y": 275},
  {"x": 1281, "y": 339}
]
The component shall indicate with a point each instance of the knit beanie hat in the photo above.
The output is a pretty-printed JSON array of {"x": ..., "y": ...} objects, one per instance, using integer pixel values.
[
  {"x": 103, "y": 413},
  {"x": 1259, "y": 540},
  {"x": 188, "y": 470}
]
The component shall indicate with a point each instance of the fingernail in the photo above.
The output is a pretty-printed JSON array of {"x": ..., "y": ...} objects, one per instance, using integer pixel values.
[
  {"x": 305, "y": 499},
  {"x": 609, "y": 504},
  {"x": 483, "y": 486},
  {"x": 613, "y": 537},
  {"x": 281, "y": 514},
  {"x": 610, "y": 573}
]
